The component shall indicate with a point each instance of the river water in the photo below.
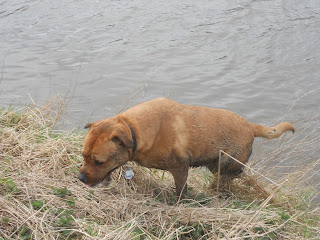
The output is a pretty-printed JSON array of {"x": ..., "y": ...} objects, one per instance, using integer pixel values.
[
  {"x": 252, "y": 57},
  {"x": 258, "y": 58}
]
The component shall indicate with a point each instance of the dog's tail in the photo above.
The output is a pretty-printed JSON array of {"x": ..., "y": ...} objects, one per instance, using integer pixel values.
[{"x": 272, "y": 132}]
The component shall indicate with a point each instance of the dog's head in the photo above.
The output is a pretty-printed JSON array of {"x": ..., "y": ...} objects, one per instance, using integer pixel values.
[{"x": 107, "y": 146}]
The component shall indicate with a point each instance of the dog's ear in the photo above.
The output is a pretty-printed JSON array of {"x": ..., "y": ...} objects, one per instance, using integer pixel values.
[
  {"x": 94, "y": 124},
  {"x": 123, "y": 137}
]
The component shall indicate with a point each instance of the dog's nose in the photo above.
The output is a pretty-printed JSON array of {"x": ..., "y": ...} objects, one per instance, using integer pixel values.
[{"x": 82, "y": 177}]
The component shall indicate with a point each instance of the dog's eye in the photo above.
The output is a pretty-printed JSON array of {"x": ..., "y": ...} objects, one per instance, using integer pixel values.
[{"x": 98, "y": 163}]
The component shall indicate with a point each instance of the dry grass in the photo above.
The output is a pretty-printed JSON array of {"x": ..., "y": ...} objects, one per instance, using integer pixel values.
[{"x": 41, "y": 198}]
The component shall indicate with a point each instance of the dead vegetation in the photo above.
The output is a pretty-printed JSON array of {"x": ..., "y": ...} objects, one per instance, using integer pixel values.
[{"x": 41, "y": 198}]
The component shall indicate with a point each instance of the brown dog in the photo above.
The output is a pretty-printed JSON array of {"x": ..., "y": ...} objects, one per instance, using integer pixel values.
[{"x": 166, "y": 135}]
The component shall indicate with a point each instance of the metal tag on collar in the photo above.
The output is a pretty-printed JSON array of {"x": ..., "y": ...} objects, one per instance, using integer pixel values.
[{"x": 128, "y": 174}]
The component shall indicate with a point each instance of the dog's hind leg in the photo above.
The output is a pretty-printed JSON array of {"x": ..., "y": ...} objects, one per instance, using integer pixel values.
[{"x": 229, "y": 169}]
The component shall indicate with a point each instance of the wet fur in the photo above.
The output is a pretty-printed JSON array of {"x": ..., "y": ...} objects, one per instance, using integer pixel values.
[{"x": 173, "y": 137}]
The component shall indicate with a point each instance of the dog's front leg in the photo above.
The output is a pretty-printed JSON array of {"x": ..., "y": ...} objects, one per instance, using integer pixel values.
[{"x": 180, "y": 178}]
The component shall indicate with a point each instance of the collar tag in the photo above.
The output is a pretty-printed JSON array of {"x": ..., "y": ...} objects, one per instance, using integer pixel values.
[{"x": 128, "y": 173}]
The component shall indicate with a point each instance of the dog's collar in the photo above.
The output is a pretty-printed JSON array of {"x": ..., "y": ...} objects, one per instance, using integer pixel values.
[{"x": 134, "y": 148}]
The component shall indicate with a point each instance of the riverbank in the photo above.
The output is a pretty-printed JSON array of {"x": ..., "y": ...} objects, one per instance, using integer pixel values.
[{"x": 41, "y": 198}]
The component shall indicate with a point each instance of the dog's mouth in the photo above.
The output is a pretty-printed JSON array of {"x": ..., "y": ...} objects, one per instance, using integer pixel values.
[{"x": 106, "y": 180}]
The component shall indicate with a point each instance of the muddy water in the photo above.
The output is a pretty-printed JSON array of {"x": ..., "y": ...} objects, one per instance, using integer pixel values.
[{"x": 258, "y": 58}]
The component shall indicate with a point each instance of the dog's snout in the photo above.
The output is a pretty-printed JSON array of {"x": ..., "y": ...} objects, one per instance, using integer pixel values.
[{"x": 82, "y": 177}]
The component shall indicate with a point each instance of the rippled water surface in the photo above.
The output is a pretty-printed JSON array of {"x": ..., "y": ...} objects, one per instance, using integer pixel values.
[{"x": 252, "y": 57}]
